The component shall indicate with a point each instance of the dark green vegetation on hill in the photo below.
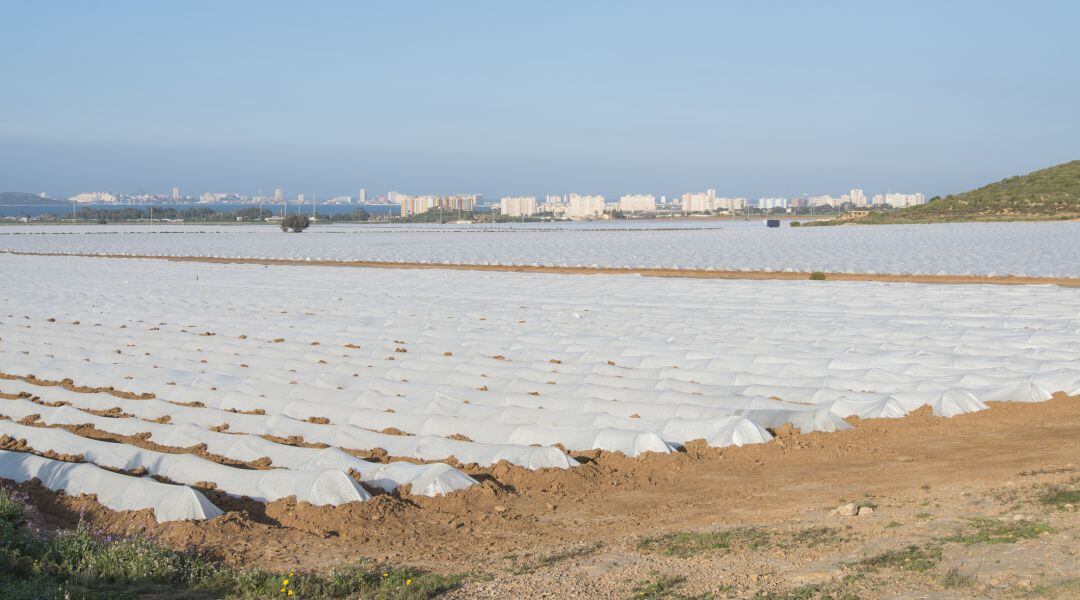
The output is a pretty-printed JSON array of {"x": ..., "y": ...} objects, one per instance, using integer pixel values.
[
  {"x": 22, "y": 199},
  {"x": 1052, "y": 193}
]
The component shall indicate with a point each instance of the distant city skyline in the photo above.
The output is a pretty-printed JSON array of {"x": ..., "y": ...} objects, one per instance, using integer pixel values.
[
  {"x": 758, "y": 100},
  {"x": 707, "y": 200}
]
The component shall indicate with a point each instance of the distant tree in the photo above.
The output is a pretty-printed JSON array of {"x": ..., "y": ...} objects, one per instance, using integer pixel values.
[{"x": 296, "y": 223}]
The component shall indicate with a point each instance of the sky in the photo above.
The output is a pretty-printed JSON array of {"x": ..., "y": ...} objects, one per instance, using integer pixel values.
[{"x": 754, "y": 99}]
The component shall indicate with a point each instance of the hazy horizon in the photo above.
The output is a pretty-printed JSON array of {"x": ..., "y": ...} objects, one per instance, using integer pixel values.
[{"x": 753, "y": 99}]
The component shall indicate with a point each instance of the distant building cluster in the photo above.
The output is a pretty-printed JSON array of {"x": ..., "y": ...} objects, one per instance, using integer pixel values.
[
  {"x": 94, "y": 198},
  {"x": 772, "y": 203},
  {"x": 415, "y": 205},
  {"x": 857, "y": 197},
  {"x": 518, "y": 206},
  {"x": 707, "y": 201},
  {"x": 634, "y": 203},
  {"x": 557, "y": 206}
]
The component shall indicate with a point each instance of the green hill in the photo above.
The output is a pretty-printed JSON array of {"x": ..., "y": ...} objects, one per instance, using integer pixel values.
[
  {"x": 1052, "y": 193},
  {"x": 24, "y": 199}
]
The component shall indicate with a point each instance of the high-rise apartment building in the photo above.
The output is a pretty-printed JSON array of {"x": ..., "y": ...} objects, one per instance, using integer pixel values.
[
  {"x": 858, "y": 197},
  {"x": 585, "y": 207},
  {"x": 903, "y": 200},
  {"x": 772, "y": 203},
  {"x": 414, "y": 205},
  {"x": 699, "y": 202},
  {"x": 175, "y": 193},
  {"x": 518, "y": 206},
  {"x": 362, "y": 196},
  {"x": 637, "y": 203},
  {"x": 279, "y": 195}
]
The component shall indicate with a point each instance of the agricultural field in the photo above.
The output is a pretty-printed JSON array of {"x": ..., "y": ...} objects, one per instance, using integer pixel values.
[
  {"x": 1017, "y": 248},
  {"x": 590, "y": 434}
]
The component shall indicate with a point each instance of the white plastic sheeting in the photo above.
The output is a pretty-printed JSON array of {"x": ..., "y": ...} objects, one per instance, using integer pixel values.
[
  {"x": 113, "y": 490},
  {"x": 1038, "y": 249},
  {"x": 426, "y": 480},
  {"x": 320, "y": 487},
  {"x": 508, "y": 360}
]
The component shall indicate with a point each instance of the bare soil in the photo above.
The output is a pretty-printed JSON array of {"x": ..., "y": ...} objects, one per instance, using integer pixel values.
[
  {"x": 689, "y": 273},
  {"x": 578, "y": 533}
]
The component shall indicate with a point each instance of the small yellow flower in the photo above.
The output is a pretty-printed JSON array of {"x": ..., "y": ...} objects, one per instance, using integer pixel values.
[
  {"x": 286, "y": 582},
  {"x": 408, "y": 582},
  {"x": 385, "y": 574},
  {"x": 290, "y": 592},
  {"x": 282, "y": 590}
]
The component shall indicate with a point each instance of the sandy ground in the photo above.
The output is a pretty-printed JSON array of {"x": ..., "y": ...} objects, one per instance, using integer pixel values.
[
  {"x": 731, "y": 522},
  {"x": 689, "y": 273}
]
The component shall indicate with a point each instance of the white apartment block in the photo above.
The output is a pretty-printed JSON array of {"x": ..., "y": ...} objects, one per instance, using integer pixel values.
[
  {"x": 858, "y": 197},
  {"x": 585, "y": 207},
  {"x": 95, "y": 197},
  {"x": 214, "y": 197},
  {"x": 824, "y": 201},
  {"x": 707, "y": 201},
  {"x": 637, "y": 203},
  {"x": 771, "y": 203},
  {"x": 414, "y": 205},
  {"x": 699, "y": 201},
  {"x": 518, "y": 206},
  {"x": 731, "y": 204},
  {"x": 904, "y": 200}
]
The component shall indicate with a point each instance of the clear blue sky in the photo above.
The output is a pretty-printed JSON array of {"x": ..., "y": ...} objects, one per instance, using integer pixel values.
[{"x": 752, "y": 98}]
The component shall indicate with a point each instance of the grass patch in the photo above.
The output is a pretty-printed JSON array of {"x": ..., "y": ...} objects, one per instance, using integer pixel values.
[
  {"x": 685, "y": 544},
  {"x": 954, "y": 579},
  {"x": 912, "y": 558},
  {"x": 1058, "y": 590},
  {"x": 660, "y": 586},
  {"x": 1059, "y": 495},
  {"x": 665, "y": 587},
  {"x": 923, "y": 516},
  {"x": 551, "y": 559},
  {"x": 82, "y": 563},
  {"x": 817, "y": 276},
  {"x": 992, "y": 531},
  {"x": 817, "y": 536},
  {"x": 814, "y": 591}
]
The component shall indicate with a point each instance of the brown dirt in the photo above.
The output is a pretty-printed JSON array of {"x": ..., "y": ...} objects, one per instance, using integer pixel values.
[
  {"x": 688, "y": 273},
  {"x": 70, "y": 385},
  {"x": 611, "y": 498}
]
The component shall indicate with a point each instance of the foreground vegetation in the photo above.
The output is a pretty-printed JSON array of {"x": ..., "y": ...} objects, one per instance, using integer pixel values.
[{"x": 82, "y": 563}]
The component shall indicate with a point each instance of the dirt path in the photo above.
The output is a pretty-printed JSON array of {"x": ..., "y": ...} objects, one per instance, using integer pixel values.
[{"x": 687, "y": 273}]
